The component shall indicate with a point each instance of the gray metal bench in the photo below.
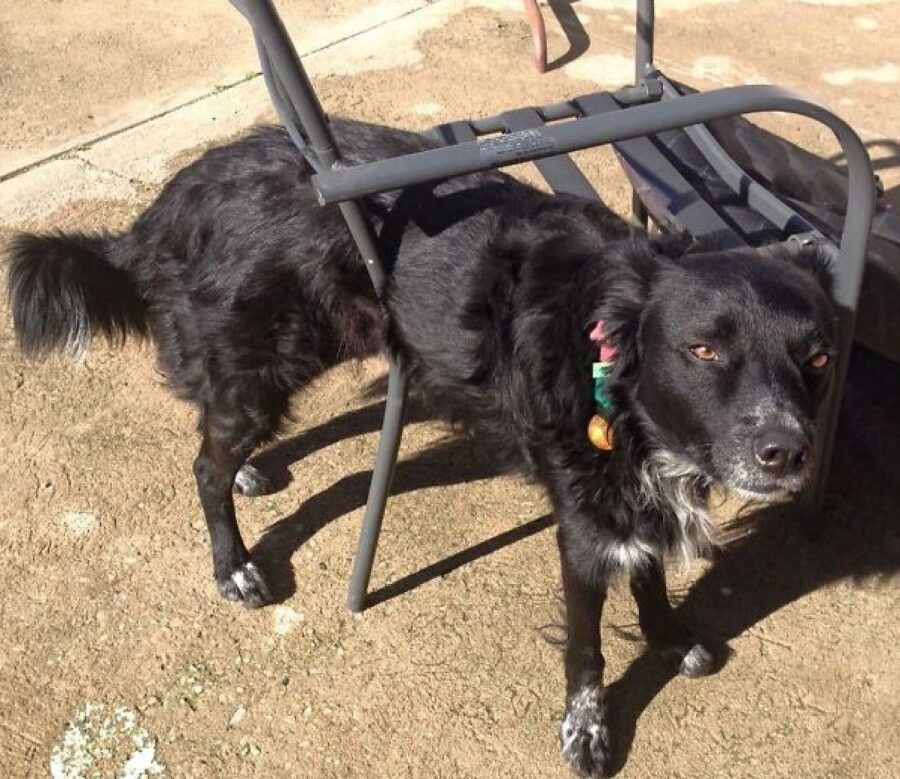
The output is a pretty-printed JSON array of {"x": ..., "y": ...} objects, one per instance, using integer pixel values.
[{"x": 634, "y": 119}]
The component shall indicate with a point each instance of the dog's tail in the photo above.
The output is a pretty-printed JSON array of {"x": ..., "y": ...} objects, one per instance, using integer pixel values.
[{"x": 64, "y": 289}]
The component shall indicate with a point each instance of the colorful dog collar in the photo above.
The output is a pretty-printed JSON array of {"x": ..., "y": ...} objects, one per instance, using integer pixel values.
[{"x": 599, "y": 430}]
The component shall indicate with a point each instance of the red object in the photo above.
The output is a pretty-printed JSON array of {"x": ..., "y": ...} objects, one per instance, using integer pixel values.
[
  {"x": 538, "y": 34},
  {"x": 607, "y": 350}
]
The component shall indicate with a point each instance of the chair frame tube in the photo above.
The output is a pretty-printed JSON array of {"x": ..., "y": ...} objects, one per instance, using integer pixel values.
[{"x": 296, "y": 102}]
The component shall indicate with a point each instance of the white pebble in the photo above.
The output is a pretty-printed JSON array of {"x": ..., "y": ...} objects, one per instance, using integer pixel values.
[{"x": 239, "y": 713}]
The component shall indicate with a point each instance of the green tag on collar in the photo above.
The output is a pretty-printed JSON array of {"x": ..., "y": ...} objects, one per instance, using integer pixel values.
[{"x": 601, "y": 372}]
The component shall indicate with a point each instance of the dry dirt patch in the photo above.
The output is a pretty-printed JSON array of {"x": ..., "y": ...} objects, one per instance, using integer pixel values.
[{"x": 112, "y": 628}]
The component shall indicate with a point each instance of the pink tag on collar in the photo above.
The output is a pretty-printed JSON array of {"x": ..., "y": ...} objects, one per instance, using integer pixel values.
[{"x": 607, "y": 350}]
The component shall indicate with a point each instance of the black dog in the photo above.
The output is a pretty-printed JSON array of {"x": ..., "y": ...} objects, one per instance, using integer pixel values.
[{"x": 250, "y": 289}]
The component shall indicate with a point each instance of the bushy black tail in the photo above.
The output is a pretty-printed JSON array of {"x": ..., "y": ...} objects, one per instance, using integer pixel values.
[{"x": 64, "y": 289}]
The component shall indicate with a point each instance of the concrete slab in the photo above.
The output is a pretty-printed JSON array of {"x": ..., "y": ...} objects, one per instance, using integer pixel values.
[{"x": 74, "y": 71}]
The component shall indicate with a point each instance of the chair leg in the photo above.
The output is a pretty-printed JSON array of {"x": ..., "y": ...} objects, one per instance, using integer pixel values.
[
  {"x": 813, "y": 502},
  {"x": 379, "y": 487}
]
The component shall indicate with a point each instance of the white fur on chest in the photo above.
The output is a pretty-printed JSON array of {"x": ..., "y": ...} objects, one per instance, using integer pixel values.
[{"x": 676, "y": 490}]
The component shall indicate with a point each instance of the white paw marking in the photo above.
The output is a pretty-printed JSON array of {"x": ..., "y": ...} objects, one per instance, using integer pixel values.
[
  {"x": 584, "y": 712},
  {"x": 696, "y": 661},
  {"x": 250, "y": 481},
  {"x": 249, "y": 581}
]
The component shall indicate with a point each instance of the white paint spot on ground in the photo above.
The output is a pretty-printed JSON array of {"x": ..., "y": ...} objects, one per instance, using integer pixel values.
[
  {"x": 369, "y": 52},
  {"x": 865, "y": 23},
  {"x": 427, "y": 108},
  {"x": 843, "y": 3},
  {"x": 142, "y": 763},
  {"x": 285, "y": 619},
  {"x": 105, "y": 741},
  {"x": 724, "y": 70},
  {"x": 80, "y": 522},
  {"x": 607, "y": 70},
  {"x": 662, "y": 8},
  {"x": 888, "y": 73}
]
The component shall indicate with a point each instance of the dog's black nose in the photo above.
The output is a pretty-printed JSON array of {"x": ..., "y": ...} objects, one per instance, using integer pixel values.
[{"x": 781, "y": 452}]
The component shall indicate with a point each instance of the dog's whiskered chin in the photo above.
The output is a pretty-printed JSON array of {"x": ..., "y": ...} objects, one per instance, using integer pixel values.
[
  {"x": 773, "y": 492},
  {"x": 774, "y": 495},
  {"x": 747, "y": 482}
]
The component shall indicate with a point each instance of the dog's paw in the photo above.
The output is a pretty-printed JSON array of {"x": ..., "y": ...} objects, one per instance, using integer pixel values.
[
  {"x": 251, "y": 482},
  {"x": 245, "y": 586},
  {"x": 583, "y": 737},
  {"x": 692, "y": 659},
  {"x": 698, "y": 661}
]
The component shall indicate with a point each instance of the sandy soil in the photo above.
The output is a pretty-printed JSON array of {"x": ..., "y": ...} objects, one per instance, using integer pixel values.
[
  {"x": 114, "y": 642},
  {"x": 70, "y": 71}
]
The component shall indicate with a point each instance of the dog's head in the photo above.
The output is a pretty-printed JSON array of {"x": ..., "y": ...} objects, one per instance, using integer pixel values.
[{"x": 724, "y": 359}]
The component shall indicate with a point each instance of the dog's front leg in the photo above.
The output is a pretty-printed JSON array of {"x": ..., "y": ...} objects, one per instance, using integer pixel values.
[
  {"x": 583, "y": 735},
  {"x": 663, "y": 630}
]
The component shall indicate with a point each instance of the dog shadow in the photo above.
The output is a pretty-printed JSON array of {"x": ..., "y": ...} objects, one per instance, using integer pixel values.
[{"x": 768, "y": 568}]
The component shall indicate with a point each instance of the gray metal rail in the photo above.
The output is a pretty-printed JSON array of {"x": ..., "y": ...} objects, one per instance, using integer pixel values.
[
  {"x": 757, "y": 196},
  {"x": 644, "y": 28},
  {"x": 343, "y": 184}
]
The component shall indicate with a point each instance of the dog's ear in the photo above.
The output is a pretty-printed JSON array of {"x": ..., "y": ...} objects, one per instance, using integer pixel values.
[{"x": 815, "y": 260}]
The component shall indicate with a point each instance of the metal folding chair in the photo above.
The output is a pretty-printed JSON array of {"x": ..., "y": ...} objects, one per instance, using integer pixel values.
[{"x": 629, "y": 118}]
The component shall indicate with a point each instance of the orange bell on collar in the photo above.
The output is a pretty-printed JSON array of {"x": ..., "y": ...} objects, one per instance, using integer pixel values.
[{"x": 600, "y": 433}]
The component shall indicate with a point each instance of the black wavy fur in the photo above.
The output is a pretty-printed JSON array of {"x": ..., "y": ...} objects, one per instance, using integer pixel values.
[
  {"x": 62, "y": 288},
  {"x": 250, "y": 289}
]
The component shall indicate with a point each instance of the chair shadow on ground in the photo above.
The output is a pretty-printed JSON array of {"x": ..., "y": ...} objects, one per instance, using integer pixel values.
[
  {"x": 885, "y": 153},
  {"x": 451, "y": 461},
  {"x": 573, "y": 29},
  {"x": 772, "y": 562}
]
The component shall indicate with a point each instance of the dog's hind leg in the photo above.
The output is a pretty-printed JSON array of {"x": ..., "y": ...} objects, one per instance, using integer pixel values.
[
  {"x": 230, "y": 433},
  {"x": 662, "y": 628}
]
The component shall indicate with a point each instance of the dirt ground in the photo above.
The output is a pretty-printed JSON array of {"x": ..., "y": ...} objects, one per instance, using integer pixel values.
[{"x": 116, "y": 656}]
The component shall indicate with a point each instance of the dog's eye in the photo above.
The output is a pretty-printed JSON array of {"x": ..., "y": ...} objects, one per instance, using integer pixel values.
[
  {"x": 704, "y": 352},
  {"x": 819, "y": 361}
]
